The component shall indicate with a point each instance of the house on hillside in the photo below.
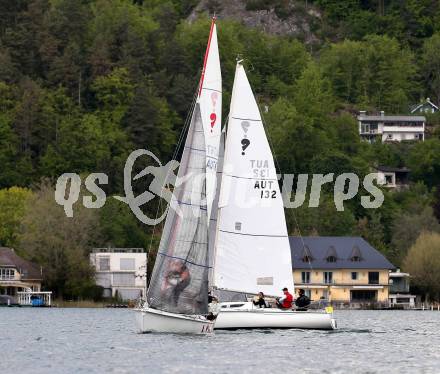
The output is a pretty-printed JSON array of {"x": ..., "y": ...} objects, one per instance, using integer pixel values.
[
  {"x": 20, "y": 281},
  {"x": 391, "y": 177},
  {"x": 424, "y": 107},
  {"x": 345, "y": 270},
  {"x": 122, "y": 272},
  {"x": 382, "y": 128}
]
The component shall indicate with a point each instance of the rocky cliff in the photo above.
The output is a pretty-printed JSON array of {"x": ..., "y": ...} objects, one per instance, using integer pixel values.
[{"x": 280, "y": 17}]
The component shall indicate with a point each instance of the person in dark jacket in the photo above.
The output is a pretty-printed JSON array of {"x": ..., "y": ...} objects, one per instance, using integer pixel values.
[
  {"x": 259, "y": 301},
  {"x": 302, "y": 302}
]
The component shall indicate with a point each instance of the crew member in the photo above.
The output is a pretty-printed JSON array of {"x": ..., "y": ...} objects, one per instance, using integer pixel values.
[
  {"x": 259, "y": 301},
  {"x": 176, "y": 280},
  {"x": 285, "y": 302},
  {"x": 302, "y": 302}
]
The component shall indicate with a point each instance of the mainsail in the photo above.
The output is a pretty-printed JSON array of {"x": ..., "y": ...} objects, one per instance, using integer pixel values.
[
  {"x": 210, "y": 99},
  {"x": 179, "y": 283},
  {"x": 252, "y": 246}
]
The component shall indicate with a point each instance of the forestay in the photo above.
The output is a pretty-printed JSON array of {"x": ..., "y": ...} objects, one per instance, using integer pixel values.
[
  {"x": 252, "y": 249},
  {"x": 210, "y": 99},
  {"x": 179, "y": 283}
]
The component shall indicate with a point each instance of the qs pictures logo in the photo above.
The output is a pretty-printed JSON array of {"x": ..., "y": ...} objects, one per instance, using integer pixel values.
[{"x": 163, "y": 177}]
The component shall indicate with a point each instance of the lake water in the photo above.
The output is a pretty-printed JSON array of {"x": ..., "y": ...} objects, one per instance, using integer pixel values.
[{"x": 104, "y": 340}]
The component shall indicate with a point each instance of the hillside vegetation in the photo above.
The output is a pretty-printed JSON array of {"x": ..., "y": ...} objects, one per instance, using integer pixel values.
[{"x": 84, "y": 83}]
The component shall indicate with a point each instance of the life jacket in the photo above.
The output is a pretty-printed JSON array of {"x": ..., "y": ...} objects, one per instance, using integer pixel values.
[{"x": 287, "y": 302}]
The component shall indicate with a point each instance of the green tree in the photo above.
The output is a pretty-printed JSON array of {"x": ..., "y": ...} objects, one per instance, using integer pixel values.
[
  {"x": 12, "y": 210},
  {"x": 431, "y": 65},
  {"x": 122, "y": 35},
  {"x": 423, "y": 263},
  {"x": 374, "y": 73},
  {"x": 371, "y": 229},
  {"x": 149, "y": 122},
  {"x": 324, "y": 220},
  {"x": 406, "y": 228},
  {"x": 120, "y": 227},
  {"x": 424, "y": 162},
  {"x": 59, "y": 244}
]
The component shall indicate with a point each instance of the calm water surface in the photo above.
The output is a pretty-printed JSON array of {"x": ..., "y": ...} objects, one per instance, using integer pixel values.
[{"x": 104, "y": 340}]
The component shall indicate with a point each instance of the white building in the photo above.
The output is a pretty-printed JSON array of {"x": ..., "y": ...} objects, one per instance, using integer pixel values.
[
  {"x": 392, "y": 177},
  {"x": 399, "y": 295},
  {"x": 121, "y": 272},
  {"x": 391, "y": 128}
]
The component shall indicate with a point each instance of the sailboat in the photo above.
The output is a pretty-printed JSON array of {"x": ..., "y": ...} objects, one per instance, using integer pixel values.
[
  {"x": 251, "y": 245},
  {"x": 177, "y": 296}
]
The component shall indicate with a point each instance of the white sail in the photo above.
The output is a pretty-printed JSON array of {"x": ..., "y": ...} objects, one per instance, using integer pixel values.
[
  {"x": 179, "y": 283},
  {"x": 210, "y": 100},
  {"x": 252, "y": 249}
]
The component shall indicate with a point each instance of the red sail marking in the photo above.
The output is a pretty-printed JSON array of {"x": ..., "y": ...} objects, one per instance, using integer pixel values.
[
  {"x": 202, "y": 77},
  {"x": 213, "y": 118}
]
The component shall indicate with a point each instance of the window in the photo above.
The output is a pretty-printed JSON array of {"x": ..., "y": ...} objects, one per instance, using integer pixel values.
[
  {"x": 305, "y": 277},
  {"x": 238, "y": 226},
  {"x": 103, "y": 279},
  {"x": 307, "y": 259},
  {"x": 7, "y": 274},
  {"x": 328, "y": 277},
  {"x": 363, "y": 295},
  {"x": 127, "y": 264},
  {"x": 388, "y": 179},
  {"x": 373, "y": 277},
  {"x": 354, "y": 275},
  {"x": 365, "y": 128},
  {"x": 308, "y": 293},
  {"x": 104, "y": 263},
  {"x": 331, "y": 255},
  {"x": 123, "y": 279},
  {"x": 356, "y": 255}
]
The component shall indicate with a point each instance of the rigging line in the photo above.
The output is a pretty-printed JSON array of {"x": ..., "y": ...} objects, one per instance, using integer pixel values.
[
  {"x": 179, "y": 143},
  {"x": 263, "y": 121}
]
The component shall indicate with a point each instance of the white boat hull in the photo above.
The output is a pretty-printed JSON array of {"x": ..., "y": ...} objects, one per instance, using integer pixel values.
[
  {"x": 247, "y": 317},
  {"x": 152, "y": 320}
]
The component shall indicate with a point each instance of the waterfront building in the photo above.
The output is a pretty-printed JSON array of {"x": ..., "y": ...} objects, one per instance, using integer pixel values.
[
  {"x": 344, "y": 270},
  {"x": 121, "y": 272},
  {"x": 373, "y": 128},
  {"x": 20, "y": 280},
  {"x": 400, "y": 296}
]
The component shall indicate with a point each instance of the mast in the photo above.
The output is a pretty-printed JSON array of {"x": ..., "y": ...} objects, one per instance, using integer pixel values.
[
  {"x": 210, "y": 99},
  {"x": 205, "y": 60}
]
